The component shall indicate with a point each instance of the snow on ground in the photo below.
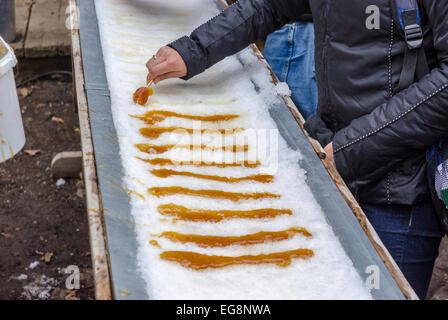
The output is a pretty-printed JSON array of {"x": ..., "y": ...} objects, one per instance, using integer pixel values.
[
  {"x": 22, "y": 277},
  {"x": 132, "y": 31},
  {"x": 40, "y": 288},
  {"x": 61, "y": 182}
]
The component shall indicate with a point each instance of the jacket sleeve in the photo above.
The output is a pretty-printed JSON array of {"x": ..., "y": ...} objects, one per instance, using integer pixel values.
[
  {"x": 234, "y": 29},
  {"x": 405, "y": 125}
]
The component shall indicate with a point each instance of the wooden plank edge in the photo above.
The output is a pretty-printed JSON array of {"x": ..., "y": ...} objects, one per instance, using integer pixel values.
[{"x": 98, "y": 244}]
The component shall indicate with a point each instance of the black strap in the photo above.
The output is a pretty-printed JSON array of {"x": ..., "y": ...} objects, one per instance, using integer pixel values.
[
  {"x": 422, "y": 64},
  {"x": 423, "y": 15},
  {"x": 415, "y": 62}
]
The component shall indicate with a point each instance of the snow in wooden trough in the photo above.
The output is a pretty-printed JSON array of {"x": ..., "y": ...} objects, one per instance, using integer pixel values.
[{"x": 221, "y": 206}]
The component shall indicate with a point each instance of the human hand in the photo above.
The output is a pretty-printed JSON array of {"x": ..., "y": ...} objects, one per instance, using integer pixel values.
[{"x": 166, "y": 63}]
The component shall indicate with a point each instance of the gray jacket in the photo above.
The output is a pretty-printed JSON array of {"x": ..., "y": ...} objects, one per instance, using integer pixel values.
[{"x": 379, "y": 135}]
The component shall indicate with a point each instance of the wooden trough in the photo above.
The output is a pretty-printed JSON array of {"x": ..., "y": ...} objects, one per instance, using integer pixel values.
[{"x": 112, "y": 245}]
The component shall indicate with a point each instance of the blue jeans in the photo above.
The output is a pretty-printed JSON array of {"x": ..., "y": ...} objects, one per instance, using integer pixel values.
[
  {"x": 290, "y": 53},
  {"x": 412, "y": 235}
]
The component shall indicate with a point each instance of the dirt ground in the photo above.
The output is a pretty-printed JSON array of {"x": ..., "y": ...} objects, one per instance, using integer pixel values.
[{"x": 43, "y": 227}]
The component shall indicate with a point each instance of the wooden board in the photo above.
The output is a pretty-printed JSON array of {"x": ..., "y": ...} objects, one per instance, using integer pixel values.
[
  {"x": 103, "y": 290},
  {"x": 97, "y": 236}
]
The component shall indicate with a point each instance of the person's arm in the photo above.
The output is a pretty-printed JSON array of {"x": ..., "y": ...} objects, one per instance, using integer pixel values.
[
  {"x": 406, "y": 125},
  {"x": 231, "y": 31}
]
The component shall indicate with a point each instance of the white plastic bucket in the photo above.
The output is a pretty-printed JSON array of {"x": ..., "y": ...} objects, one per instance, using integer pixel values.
[{"x": 12, "y": 134}]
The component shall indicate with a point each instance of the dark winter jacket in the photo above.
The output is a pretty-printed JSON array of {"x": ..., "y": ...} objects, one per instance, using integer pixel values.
[{"x": 379, "y": 135}]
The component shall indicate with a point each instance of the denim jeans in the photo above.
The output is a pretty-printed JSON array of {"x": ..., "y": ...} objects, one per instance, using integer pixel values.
[
  {"x": 290, "y": 53},
  {"x": 412, "y": 235}
]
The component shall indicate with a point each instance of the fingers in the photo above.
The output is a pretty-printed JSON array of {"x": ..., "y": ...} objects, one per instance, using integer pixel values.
[
  {"x": 168, "y": 75},
  {"x": 153, "y": 69},
  {"x": 154, "y": 64},
  {"x": 160, "y": 69},
  {"x": 167, "y": 63}
]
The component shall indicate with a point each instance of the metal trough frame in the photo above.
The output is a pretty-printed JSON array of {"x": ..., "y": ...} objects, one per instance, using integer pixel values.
[{"x": 112, "y": 237}]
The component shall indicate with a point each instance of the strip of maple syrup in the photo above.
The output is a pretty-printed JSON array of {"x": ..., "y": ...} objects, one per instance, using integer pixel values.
[
  {"x": 155, "y": 116},
  {"x": 158, "y": 149},
  {"x": 244, "y": 240},
  {"x": 214, "y": 216},
  {"x": 165, "y": 173},
  {"x": 169, "y": 162},
  {"x": 155, "y": 132},
  {"x": 198, "y": 261},
  {"x": 214, "y": 194}
]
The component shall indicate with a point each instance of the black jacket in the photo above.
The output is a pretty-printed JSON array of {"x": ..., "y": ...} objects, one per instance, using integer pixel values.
[{"x": 379, "y": 135}]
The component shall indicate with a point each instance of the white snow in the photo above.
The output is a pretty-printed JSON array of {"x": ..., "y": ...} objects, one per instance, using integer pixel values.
[
  {"x": 282, "y": 89},
  {"x": 61, "y": 182},
  {"x": 22, "y": 277},
  {"x": 40, "y": 288},
  {"x": 33, "y": 264},
  {"x": 132, "y": 31}
]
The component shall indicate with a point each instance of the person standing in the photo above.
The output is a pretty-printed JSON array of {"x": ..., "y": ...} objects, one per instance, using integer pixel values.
[
  {"x": 376, "y": 126},
  {"x": 290, "y": 53}
]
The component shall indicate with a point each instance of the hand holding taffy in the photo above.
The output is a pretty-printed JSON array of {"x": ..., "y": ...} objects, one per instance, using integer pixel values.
[{"x": 166, "y": 63}]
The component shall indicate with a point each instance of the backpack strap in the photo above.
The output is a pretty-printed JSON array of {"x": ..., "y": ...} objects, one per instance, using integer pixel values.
[{"x": 415, "y": 63}]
